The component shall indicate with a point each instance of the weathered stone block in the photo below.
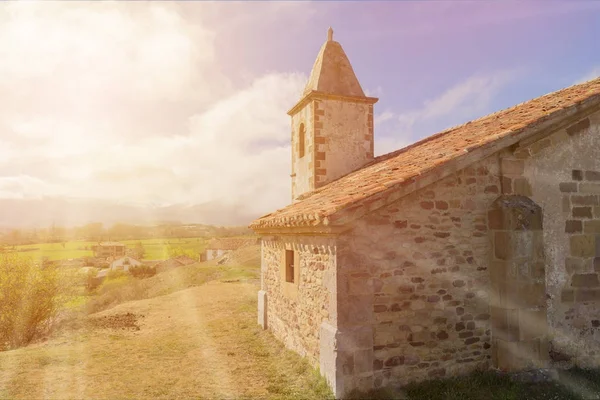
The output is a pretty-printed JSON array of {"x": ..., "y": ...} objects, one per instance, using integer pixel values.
[
  {"x": 589, "y": 188},
  {"x": 356, "y": 311},
  {"x": 540, "y": 145},
  {"x": 538, "y": 246},
  {"x": 585, "y": 280},
  {"x": 505, "y": 323},
  {"x": 592, "y": 226},
  {"x": 574, "y": 265},
  {"x": 573, "y": 226},
  {"x": 582, "y": 212},
  {"x": 499, "y": 270},
  {"x": 506, "y": 185},
  {"x": 521, "y": 186},
  {"x": 522, "y": 153},
  {"x": 328, "y": 358},
  {"x": 587, "y": 295},
  {"x": 583, "y": 245},
  {"x": 566, "y": 204},
  {"x": 592, "y": 176},
  {"x": 427, "y": 205},
  {"x": 346, "y": 362},
  {"x": 502, "y": 248},
  {"x": 578, "y": 127},
  {"x": 533, "y": 353},
  {"x": 363, "y": 361},
  {"x": 597, "y": 264},
  {"x": 538, "y": 270},
  {"x": 585, "y": 200},
  {"x": 532, "y": 324},
  {"x": 512, "y": 167},
  {"x": 567, "y": 296},
  {"x": 364, "y": 337},
  {"x": 531, "y": 295},
  {"x": 360, "y": 286},
  {"x": 491, "y": 189},
  {"x": 505, "y": 354},
  {"x": 515, "y": 356},
  {"x": 262, "y": 309},
  {"x": 514, "y": 212},
  {"x": 567, "y": 187},
  {"x": 522, "y": 244}
]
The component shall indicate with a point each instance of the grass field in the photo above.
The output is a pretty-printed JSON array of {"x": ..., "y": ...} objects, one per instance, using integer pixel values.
[
  {"x": 156, "y": 249},
  {"x": 56, "y": 251},
  {"x": 192, "y": 334}
]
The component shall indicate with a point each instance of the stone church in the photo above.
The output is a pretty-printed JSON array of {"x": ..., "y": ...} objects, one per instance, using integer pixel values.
[{"x": 475, "y": 248}]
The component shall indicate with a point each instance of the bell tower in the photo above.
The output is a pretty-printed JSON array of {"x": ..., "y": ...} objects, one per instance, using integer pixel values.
[{"x": 332, "y": 124}]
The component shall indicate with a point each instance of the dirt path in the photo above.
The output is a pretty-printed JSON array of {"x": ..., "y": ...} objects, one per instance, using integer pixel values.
[{"x": 201, "y": 342}]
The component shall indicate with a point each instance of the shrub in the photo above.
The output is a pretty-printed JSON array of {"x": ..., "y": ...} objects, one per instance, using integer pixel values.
[
  {"x": 91, "y": 280},
  {"x": 30, "y": 298},
  {"x": 142, "y": 271},
  {"x": 117, "y": 287}
]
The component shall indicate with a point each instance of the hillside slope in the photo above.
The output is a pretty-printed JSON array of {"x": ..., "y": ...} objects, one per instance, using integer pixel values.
[{"x": 200, "y": 342}]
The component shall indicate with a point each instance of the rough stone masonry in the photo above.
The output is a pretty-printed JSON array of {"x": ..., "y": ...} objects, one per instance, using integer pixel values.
[{"x": 475, "y": 248}]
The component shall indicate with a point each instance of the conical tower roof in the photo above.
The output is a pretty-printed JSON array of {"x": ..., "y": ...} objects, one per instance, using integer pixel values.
[{"x": 332, "y": 72}]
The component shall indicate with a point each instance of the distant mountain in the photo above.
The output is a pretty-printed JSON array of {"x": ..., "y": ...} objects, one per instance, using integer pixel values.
[{"x": 33, "y": 213}]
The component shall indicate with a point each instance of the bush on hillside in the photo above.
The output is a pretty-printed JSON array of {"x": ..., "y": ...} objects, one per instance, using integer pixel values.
[
  {"x": 30, "y": 298},
  {"x": 91, "y": 280},
  {"x": 142, "y": 271}
]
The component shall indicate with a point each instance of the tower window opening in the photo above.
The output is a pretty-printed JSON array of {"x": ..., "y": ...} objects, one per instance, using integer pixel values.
[{"x": 301, "y": 138}]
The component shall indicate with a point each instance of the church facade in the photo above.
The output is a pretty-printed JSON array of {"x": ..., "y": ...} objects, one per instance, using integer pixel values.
[{"x": 475, "y": 248}]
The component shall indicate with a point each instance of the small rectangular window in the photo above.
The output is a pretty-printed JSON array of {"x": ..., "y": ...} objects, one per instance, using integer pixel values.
[{"x": 289, "y": 266}]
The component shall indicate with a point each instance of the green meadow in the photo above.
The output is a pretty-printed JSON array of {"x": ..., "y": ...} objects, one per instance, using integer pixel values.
[{"x": 155, "y": 249}]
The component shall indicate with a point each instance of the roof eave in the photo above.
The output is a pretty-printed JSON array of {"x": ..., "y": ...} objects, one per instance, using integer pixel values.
[
  {"x": 313, "y": 94},
  {"x": 317, "y": 230},
  {"x": 552, "y": 122}
]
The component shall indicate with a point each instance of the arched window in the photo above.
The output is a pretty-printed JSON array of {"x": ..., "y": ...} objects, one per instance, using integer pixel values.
[{"x": 301, "y": 138}]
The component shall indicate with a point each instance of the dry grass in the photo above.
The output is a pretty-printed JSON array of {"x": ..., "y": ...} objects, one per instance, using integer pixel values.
[
  {"x": 246, "y": 256},
  {"x": 199, "y": 342},
  {"x": 127, "y": 288}
]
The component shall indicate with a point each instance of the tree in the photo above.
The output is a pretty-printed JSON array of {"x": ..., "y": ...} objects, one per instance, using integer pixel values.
[
  {"x": 31, "y": 297},
  {"x": 139, "y": 251},
  {"x": 173, "y": 252}
]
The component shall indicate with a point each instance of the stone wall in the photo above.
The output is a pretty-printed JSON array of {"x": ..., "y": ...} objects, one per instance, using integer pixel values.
[
  {"x": 517, "y": 284},
  {"x": 338, "y": 140},
  {"x": 303, "y": 168},
  {"x": 344, "y": 141},
  {"x": 406, "y": 294},
  {"x": 563, "y": 173},
  {"x": 424, "y": 261},
  {"x": 295, "y": 316}
]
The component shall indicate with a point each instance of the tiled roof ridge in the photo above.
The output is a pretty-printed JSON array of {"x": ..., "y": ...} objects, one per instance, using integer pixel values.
[
  {"x": 455, "y": 127},
  {"x": 420, "y": 142},
  {"x": 319, "y": 206}
]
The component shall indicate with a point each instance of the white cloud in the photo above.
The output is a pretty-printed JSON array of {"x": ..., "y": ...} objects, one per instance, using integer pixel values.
[
  {"x": 377, "y": 92},
  {"x": 127, "y": 102},
  {"x": 465, "y": 101},
  {"x": 383, "y": 117}
]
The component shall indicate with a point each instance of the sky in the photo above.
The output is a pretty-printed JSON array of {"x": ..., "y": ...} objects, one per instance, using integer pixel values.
[{"x": 166, "y": 104}]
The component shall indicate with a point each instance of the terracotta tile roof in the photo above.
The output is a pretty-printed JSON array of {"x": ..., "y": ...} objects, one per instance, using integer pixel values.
[{"x": 404, "y": 166}]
